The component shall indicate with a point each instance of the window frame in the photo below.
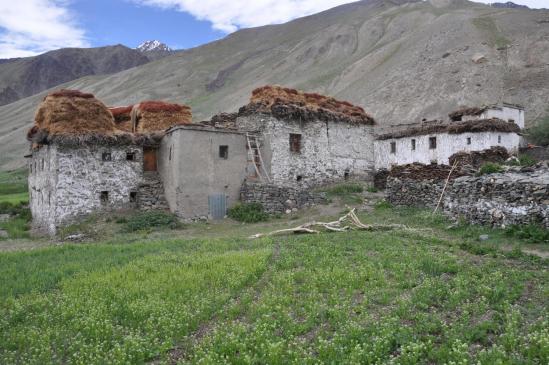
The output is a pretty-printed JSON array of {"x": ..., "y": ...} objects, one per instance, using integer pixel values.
[
  {"x": 393, "y": 147},
  {"x": 413, "y": 144},
  {"x": 296, "y": 142},
  {"x": 433, "y": 143},
  {"x": 106, "y": 156},
  {"x": 223, "y": 152}
]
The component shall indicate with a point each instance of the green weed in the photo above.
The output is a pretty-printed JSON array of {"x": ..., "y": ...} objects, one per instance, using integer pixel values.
[
  {"x": 248, "y": 213},
  {"x": 489, "y": 168},
  {"x": 531, "y": 233},
  {"x": 151, "y": 219}
]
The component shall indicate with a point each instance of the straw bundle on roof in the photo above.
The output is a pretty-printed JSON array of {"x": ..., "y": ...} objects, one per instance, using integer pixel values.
[
  {"x": 471, "y": 126},
  {"x": 154, "y": 116},
  {"x": 293, "y": 104},
  {"x": 73, "y": 112},
  {"x": 474, "y": 111},
  {"x": 122, "y": 117}
]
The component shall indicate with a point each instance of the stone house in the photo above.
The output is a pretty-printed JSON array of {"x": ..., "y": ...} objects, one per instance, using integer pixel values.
[
  {"x": 471, "y": 129},
  {"x": 86, "y": 158}
]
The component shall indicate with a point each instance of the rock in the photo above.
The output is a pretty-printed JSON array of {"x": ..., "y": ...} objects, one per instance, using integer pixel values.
[
  {"x": 3, "y": 234},
  {"x": 294, "y": 210},
  {"x": 483, "y": 237},
  {"x": 4, "y": 217},
  {"x": 75, "y": 237},
  {"x": 288, "y": 211},
  {"x": 479, "y": 58}
]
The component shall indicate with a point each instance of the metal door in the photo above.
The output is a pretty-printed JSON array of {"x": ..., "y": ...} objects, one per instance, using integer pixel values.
[{"x": 217, "y": 204}]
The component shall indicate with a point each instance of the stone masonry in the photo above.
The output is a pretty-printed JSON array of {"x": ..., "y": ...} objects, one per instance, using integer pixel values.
[
  {"x": 518, "y": 196},
  {"x": 278, "y": 199}
]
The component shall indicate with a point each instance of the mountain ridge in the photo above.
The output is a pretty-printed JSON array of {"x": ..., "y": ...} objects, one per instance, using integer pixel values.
[{"x": 401, "y": 60}]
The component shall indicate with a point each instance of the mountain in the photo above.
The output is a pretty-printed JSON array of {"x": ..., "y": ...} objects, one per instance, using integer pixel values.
[
  {"x": 401, "y": 60},
  {"x": 509, "y": 5},
  {"x": 152, "y": 46},
  {"x": 21, "y": 77},
  {"x": 155, "y": 50}
]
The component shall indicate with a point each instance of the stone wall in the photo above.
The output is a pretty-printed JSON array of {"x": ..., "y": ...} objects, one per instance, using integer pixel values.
[
  {"x": 501, "y": 199},
  {"x": 518, "y": 196},
  {"x": 413, "y": 193},
  {"x": 67, "y": 184},
  {"x": 329, "y": 151},
  {"x": 278, "y": 199}
]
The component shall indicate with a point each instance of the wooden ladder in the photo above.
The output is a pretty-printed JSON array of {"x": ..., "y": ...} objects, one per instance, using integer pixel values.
[{"x": 254, "y": 150}]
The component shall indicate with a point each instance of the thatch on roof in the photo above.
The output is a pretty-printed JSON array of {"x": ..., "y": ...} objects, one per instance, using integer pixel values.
[
  {"x": 222, "y": 120},
  {"x": 291, "y": 104},
  {"x": 73, "y": 112},
  {"x": 122, "y": 117},
  {"x": 458, "y": 114},
  {"x": 471, "y": 126},
  {"x": 153, "y": 116}
]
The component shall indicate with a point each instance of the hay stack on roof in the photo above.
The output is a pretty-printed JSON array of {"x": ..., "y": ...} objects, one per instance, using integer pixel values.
[
  {"x": 122, "y": 117},
  {"x": 71, "y": 112},
  {"x": 288, "y": 103},
  {"x": 158, "y": 116}
]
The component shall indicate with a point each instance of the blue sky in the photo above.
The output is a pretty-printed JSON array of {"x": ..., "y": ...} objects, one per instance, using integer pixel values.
[{"x": 30, "y": 27}]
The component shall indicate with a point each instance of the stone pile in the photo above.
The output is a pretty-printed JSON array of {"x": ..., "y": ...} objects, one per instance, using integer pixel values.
[
  {"x": 418, "y": 171},
  {"x": 476, "y": 159}
]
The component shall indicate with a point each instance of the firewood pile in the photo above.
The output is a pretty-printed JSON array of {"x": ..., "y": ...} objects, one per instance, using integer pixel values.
[
  {"x": 417, "y": 171},
  {"x": 476, "y": 159}
]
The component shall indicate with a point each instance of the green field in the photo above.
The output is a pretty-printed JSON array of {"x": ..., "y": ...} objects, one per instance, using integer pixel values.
[{"x": 431, "y": 295}]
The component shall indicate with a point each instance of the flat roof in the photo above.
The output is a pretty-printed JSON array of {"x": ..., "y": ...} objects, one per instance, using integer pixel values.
[{"x": 203, "y": 128}]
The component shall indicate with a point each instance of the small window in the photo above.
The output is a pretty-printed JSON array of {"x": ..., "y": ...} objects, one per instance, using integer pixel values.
[
  {"x": 393, "y": 147},
  {"x": 104, "y": 197},
  {"x": 295, "y": 143},
  {"x": 170, "y": 156},
  {"x": 106, "y": 156},
  {"x": 130, "y": 156},
  {"x": 299, "y": 178},
  {"x": 468, "y": 140},
  {"x": 499, "y": 139},
  {"x": 413, "y": 144},
  {"x": 432, "y": 143},
  {"x": 346, "y": 175},
  {"x": 224, "y": 152},
  {"x": 133, "y": 196},
  {"x": 511, "y": 120}
]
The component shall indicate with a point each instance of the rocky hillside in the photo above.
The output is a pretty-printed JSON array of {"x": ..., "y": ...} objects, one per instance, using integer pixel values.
[
  {"x": 403, "y": 60},
  {"x": 27, "y": 76}
]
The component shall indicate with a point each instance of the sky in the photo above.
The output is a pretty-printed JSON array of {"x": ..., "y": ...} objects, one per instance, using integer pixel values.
[{"x": 31, "y": 27}]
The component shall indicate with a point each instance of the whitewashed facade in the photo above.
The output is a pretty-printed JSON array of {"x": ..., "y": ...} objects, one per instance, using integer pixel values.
[{"x": 401, "y": 151}]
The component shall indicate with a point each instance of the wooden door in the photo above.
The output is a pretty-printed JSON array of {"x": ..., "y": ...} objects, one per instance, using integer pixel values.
[{"x": 149, "y": 159}]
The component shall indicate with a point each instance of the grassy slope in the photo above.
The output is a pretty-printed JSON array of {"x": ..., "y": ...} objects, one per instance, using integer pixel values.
[{"x": 432, "y": 296}]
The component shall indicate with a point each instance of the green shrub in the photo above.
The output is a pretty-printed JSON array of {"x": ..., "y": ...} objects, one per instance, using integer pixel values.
[
  {"x": 344, "y": 189},
  {"x": 490, "y": 168},
  {"x": 382, "y": 204},
  {"x": 523, "y": 160},
  {"x": 248, "y": 213},
  {"x": 539, "y": 134},
  {"x": 532, "y": 233},
  {"x": 152, "y": 219},
  {"x": 372, "y": 189}
]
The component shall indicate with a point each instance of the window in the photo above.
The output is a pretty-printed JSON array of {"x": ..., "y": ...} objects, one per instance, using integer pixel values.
[
  {"x": 468, "y": 140},
  {"x": 106, "y": 156},
  {"x": 133, "y": 196},
  {"x": 499, "y": 139},
  {"x": 130, "y": 156},
  {"x": 224, "y": 152},
  {"x": 299, "y": 178},
  {"x": 432, "y": 143},
  {"x": 413, "y": 144},
  {"x": 104, "y": 197},
  {"x": 346, "y": 175},
  {"x": 393, "y": 147},
  {"x": 295, "y": 143},
  {"x": 170, "y": 157}
]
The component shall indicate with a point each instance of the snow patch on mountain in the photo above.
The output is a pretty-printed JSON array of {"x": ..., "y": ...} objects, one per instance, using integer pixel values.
[{"x": 152, "y": 46}]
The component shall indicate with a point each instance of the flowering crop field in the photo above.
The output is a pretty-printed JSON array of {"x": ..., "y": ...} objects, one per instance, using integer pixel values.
[{"x": 355, "y": 298}]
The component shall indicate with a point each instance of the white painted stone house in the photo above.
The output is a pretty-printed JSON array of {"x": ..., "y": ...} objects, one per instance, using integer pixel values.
[{"x": 472, "y": 129}]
